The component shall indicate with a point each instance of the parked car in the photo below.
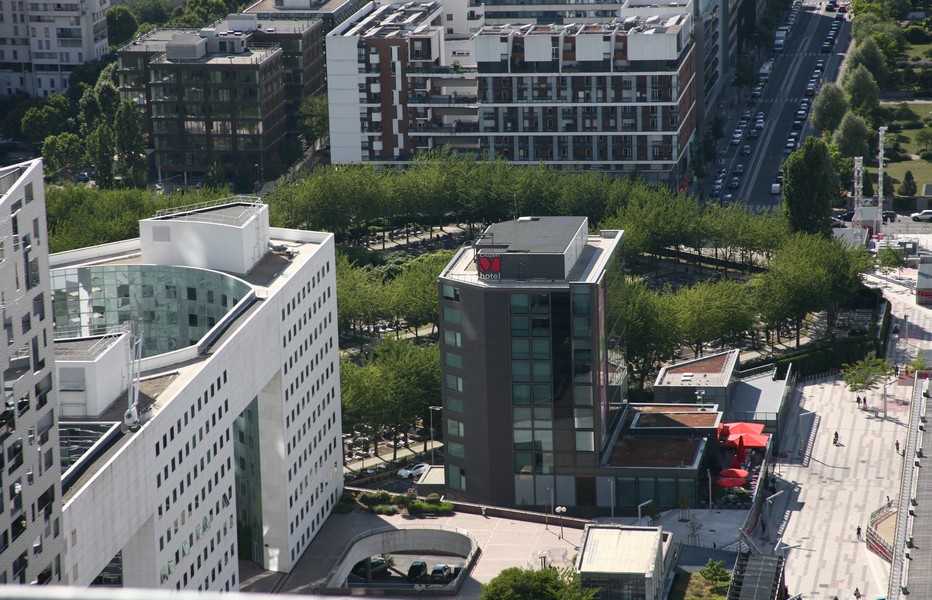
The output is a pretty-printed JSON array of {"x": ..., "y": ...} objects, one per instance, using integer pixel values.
[
  {"x": 837, "y": 223},
  {"x": 925, "y": 215},
  {"x": 739, "y": 169},
  {"x": 441, "y": 573},
  {"x": 826, "y": 46},
  {"x": 753, "y": 134},
  {"x": 379, "y": 566},
  {"x": 417, "y": 570},
  {"x": 889, "y": 216},
  {"x": 776, "y": 189},
  {"x": 727, "y": 199},
  {"x": 798, "y": 124},
  {"x": 84, "y": 177},
  {"x": 413, "y": 471},
  {"x": 746, "y": 151}
]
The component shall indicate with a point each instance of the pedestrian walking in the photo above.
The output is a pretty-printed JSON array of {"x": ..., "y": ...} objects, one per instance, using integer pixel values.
[
  {"x": 857, "y": 593},
  {"x": 898, "y": 446},
  {"x": 859, "y": 532},
  {"x": 896, "y": 370},
  {"x": 835, "y": 440},
  {"x": 859, "y": 402}
]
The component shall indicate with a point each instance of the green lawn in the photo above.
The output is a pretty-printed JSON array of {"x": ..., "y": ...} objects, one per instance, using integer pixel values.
[
  {"x": 916, "y": 50},
  {"x": 693, "y": 586},
  {"x": 922, "y": 169}
]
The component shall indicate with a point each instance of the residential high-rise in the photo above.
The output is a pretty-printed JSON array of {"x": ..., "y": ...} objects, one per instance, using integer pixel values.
[
  {"x": 616, "y": 96},
  {"x": 44, "y": 42},
  {"x": 533, "y": 367},
  {"x": 30, "y": 524},
  {"x": 200, "y": 364}
]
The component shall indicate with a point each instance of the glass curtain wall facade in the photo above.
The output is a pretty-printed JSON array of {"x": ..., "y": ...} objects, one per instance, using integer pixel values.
[{"x": 174, "y": 306}]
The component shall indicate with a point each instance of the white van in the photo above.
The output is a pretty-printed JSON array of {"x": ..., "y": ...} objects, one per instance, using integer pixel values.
[{"x": 776, "y": 189}]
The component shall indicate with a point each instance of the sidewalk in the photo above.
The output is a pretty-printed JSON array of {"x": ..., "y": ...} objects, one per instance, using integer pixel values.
[
  {"x": 828, "y": 491},
  {"x": 384, "y": 458}
]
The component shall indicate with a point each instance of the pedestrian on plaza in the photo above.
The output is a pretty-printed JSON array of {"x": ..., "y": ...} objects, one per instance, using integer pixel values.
[
  {"x": 898, "y": 446},
  {"x": 835, "y": 440},
  {"x": 896, "y": 370},
  {"x": 857, "y": 593},
  {"x": 889, "y": 502},
  {"x": 859, "y": 532},
  {"x": 859, "y": 402}
]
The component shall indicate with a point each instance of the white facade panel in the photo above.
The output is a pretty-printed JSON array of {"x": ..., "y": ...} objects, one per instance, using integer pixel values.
[{"x": 343, "y": 79}]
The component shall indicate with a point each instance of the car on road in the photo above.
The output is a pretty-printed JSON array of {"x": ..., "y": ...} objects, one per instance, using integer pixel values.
[
  {"x": 820, "y": 64},
  {"x": 753, "y": 134},
  {"x": 889, "y": 216},
  {"x": 716, "y": 192},
  {"x": 780, "y": 176},
  {"x": 441, "y": 573},
  {"x": 826, "y": 46},
  {"x": 810, "y": 89},
  {"x": 804, "y": 105},
  {"x": 837, "y": 223},
  {"x": 759, "y": 124},
  {"x": 801, "y": 114},
  {"x": 739, "y": 169},
  {"x": 798, "y": 124},
  {"x": 746, "y": 150},
  {"x": 722, "y": 173},
  {"x": 413, "y": 470},
  {"x": 790, "y": 146},
  {"x": 925, "y": 215},
  {"x": 841, "y": 10},
  {"x": 734, "y": 184},
  {"x": 776, "y": 188},
  {"x": 757, "y": 91},
  {"x": 416, "y": 571},
  {"x": 735, "y": 138},
  {"x": 727, "y": 199},
  {"x": 84, "y": 177},
  {"x": 746, "y": 115}
]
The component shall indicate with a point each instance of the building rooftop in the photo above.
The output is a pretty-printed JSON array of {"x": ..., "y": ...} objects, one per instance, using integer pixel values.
[
  {"x": 154, "y": 40},
  {"x": 695, "y": 419},
  {"x": 305, "y": 7},
  {"x": 619, "y": 550},
  {"x": 714, "y": 370},
  {"x": 631, "y": 24},
  {"x": 537, "y": 235},
  {"x": 396, "y": 20},
  {"x": 234, "y": 211},
  {"x": 657, "y": 451},
  {"x": 252, "y": 55}
]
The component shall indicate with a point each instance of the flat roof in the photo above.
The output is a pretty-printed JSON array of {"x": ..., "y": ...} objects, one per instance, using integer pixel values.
[
  {"x": 656, "y": 451},
  {"x": 690, "y": 420},
  {"x": 619, "y": 549},
  {"x": 312, "y": 7},
  {"x": 154, "y": 40},
  {"x": 537, "y": 235},
  {"x": 251, "y": 55},
  {"x": 588, "y": 267},
  {"x": 84, "y": 348},
  {"x": 229, "y": 211},
  {"x": 395, "y": 20},
  {"x": 758, "y": 395},
  {"x": 714, "y": 370}
]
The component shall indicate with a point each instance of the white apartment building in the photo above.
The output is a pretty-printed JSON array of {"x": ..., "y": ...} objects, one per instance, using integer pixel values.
[
  {"x": 221, "y": 439},
  {"x": 617, "y": 96},
  {"x": 41, "y": 43},
  {"x": 30, "y": 478}
]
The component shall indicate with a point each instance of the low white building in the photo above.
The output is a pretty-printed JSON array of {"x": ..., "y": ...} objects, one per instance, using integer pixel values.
[
  {"x": 625, "y": 562},
  {"x": 221, "y": 440}
]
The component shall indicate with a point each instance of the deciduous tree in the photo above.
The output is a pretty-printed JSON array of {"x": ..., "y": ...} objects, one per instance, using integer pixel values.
[
  {"x": 314, "y": 118},
  {"x": 863, "y": 92},
  {"x": 129, "y": 144},
  {"x": 99, "y": 146},
  {"x": 62, "y": 154},
  {"x": 868, "y": 54},
  {"x": 829, "y": 108},
  {"x": 543, "y": 584},
  {"x": 810, "y": 185},
  {"x": 121, "y": 25},
  {"x": 908, "y": 187},
  {"x": 650, "y": 329},
  {"x": 851, "y": 136}
]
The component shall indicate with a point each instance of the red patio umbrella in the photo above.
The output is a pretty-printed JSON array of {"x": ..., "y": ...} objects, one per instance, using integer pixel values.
[
  {"x": 734, "y": 473},
  {"x": 755, "y": 440},
  {"x": 730, "y": 482},
  {"x": 739, "y": 428}
]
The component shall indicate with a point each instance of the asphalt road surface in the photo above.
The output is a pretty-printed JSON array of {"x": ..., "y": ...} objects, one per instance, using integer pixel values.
[{"x": 779, "y": 102}]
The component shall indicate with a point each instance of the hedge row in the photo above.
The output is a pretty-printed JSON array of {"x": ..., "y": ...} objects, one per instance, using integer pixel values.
[{"x": 821, "y": 359}]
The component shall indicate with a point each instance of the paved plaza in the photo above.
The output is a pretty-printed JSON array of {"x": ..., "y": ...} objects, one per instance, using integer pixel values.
[{"x": 829, "y": 491}]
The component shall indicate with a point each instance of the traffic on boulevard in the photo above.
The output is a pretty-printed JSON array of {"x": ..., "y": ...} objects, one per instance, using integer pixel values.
[{"x": 772, "y": 121}]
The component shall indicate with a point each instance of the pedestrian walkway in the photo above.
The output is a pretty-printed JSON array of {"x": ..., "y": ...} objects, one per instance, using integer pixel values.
[{"x": 829, "y": 491}]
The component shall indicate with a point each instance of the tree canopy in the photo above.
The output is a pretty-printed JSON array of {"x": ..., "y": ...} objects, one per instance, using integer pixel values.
[
  {"x": 862, "y": 90},
  {"x": 810, "y": 185},
  {"x": 314, "y": 118},
  {"x": 543, "y": 584},
  {"x": 852, "y": 136},
  {"x": 868, "y": 54},
  {"x": 121, "y": 25},
  {"x": 829, "y": 108}
]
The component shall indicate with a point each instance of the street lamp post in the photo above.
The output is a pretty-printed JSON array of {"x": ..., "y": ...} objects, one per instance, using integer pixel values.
[
  {"x": 258, "y": 177},
  {"x": 432, "y": 409},
  {"x": 560, "y": 510}
]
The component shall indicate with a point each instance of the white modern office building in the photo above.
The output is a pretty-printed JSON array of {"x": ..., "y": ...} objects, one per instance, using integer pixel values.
[
  {"x": 41, "y": 43},
  {"x": 30, "y": 478},
  {"x": 200, "y": 398}
]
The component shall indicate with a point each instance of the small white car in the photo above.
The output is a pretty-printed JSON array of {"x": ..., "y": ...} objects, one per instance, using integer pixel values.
[
  {"x": 413, "y": 471},
  {"x": 925, "y": 215}
]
